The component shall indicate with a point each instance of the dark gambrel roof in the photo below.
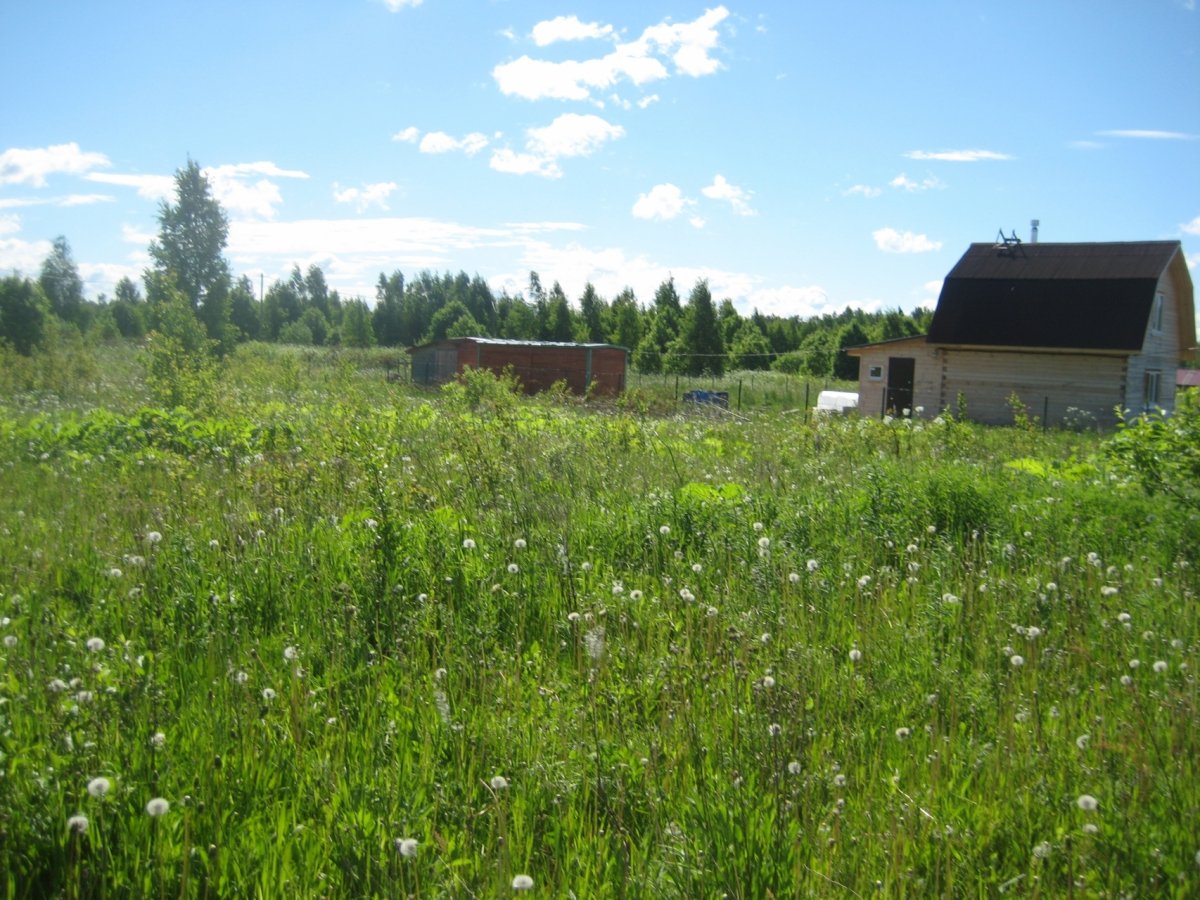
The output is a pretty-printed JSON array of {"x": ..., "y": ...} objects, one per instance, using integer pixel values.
[{"x": 1067, "y": 296}]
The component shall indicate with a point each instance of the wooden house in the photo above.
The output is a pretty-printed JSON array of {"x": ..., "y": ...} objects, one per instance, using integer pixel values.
[
  {"x": 536, "y": 364},
  {"x": 1074, "y": 331}
]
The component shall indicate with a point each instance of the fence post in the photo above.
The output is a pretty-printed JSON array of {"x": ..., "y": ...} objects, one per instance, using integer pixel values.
[{"x": 739, "y": 400}]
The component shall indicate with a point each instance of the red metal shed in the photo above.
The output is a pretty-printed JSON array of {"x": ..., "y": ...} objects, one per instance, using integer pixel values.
[{"x": 536, "y": 364}]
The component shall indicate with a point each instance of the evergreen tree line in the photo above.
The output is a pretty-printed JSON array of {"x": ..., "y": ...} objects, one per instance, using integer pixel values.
[{"x": 692, "y": 337}]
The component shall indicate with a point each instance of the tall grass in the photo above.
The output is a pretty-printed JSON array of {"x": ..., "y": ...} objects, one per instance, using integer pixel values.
[{"x": 620, "y": 654}]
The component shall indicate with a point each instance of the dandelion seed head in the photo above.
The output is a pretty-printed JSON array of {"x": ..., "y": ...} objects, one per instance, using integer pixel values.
[
  {"x": 774, "y": 729},
  {"x": 158, "y": 740},
  {"x": 78, "y": 824},
  {"x": 499, "y": 783},
  {"x": 1160, "y": 666},
  {"x": 1109, "y": 591},
  {"x": 768, "y": 682},
  {"x": 764, "y": 543},
  {"x": 664, "y": 530},
  {"x": 468, "y": 544},
  {"x": 793, "y": 577},
  {"x": 291, "y": 654},
  {"x": 522, "y": 883},
  {"x": 635, "y": 595},
  {"x": 794, "y": 767},
  {"x": 10, "y": 641},
  {"x": 513, "y": 568},
  {"x": 1017, "y": 660},
  {"x": 153, "y": 537},
  {"x": 1127, "y": 680},
  {"x": 812, "y": 565},
  {"x": 1042, "y": 850},
  {"x": 902, "y": 733},
  {"x": 98, "y": 787},
  {"x": 268, "y": 694},
  {"x": 1134, "y": 663},
  {"x": 1082, "y": 741},
  {"x": 407, "y": 847},
  {"x": 1087, "y": 803},
  {"x": 855, "y": 654},
  {"x": 520, "y": 544},
  {"x": 757, "y": 526},
  {"x": 157, "y": 807}
]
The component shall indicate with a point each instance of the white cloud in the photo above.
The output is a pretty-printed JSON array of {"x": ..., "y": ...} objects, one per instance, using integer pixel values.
[
  {"x": 688, "y": 45},
  {"x": 10, "y": 223},
  {"x": 32, "y": 166},
  {"x": 397, "y": 5},
  {"x": 862, "y": 190},
  {"x": 572, "y": 134},
  {"x": 17, "y": 255},
  {"x": 957, "y": 155},
  {"x": 663, "y": 202},
  {"x": 407, "y": 135},
  {"x": 440, "y": 142},
  {"x": 512, "y": 163},
  {"x": 568, "y": 135},
  {"x": 737, "y": 197},
  {"x": 240, "y": 197},
  {"x": 1149, "y": 135},
  {"x": 149, "y": 187},
  {"x": 367, "y": 196},
  {"x": 65, "y": 201},
  {"x": 647, "y": 101},
  {"x": 788, "y": 301},
  {"x": 697, "y": 222},
  {"x": 904, "y": 182},
  {"x": 568, "y": 28},
  {"x": 889, "y": 240},
  {"x": 1192, "y": 227}
]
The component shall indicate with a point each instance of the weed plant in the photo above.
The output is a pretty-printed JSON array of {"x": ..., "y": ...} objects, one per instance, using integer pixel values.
[{"x": 339, "y": 637}]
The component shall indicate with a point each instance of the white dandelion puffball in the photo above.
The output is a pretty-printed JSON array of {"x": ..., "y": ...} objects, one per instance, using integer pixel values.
[
  {"x": 768, "y": 682},
  {"x": 1160, "y": 666},
  {"x": 664, "y": 530},
  {"x": 855, "y": 654},
  {"x": 1042, "y": 850},
  {"x": 522, "y": 883},
  {"x": 268, "y": 694},
  {"x": 468, "y": 544},
  {"x": 78, "y": 823},
  {"x": 158, "y": 740},
  {"x": 153, "y": 537},
  {"x": 812, "y": 565},
  {"x": 902, "y": 733},
  {"x": 499, "y": 783},
  {"x": 291, "y": 654},
  {"x": 157, "y": 807},
  {"x": 793, "y": 577},
  {"x": 95, "y": 644},
  {"x": 98, "y": 787},
  {"x": 794, "y": 767},
  {"x": 520, "y": 544},
  {"x": 1087, "y": 803},
  {"x": 513, "y": 568},
  {"x": 406, "y": 847},
  {"x": 1017, "y": 660}
]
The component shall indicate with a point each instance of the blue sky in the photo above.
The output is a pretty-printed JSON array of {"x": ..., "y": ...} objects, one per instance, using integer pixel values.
[{"x": 801, "y": 156}]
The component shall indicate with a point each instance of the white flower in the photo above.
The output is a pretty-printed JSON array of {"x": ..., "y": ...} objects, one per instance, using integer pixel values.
[
  {"x": 1134, "y": 663},
  {"x": 768, "y": 682},
  {"x": 158, "y": 740},
  {"x": 1082, "y": 741},
  {"x": 855, "y": 654},
  {"x": 78, "y": 823},
  {"x": 711, "y": 612},
  {"x": 586, "y": 567},
  {"x": 594, "y": 641},
  {"x": 664, "y": 530},
  {"x": 764, "y": 543},
  {"x": 863, "y": 582},
  {"x": 114, "y": 572},
  {"x": 468, "y": 544},
  {"x": 499, "y": 783},
  {"x": 153, "y": 537},
  {"x": 1042, "y": 850},
  {"x": 520, "y": 544},
  {"x": 812, "y": 565},
  {"x": 522, "y": 883},
  {"x": 635, "y": 595},
  {"x": 1091, "y": 828},
  {"x": 10, "y": 641},
  {"x": 794, "y": 577},
  {"x": 1126, "y": 680},
  {"x": 1109, "y": 591},
  {"x": 268, "y": 694},
  {"x": 157, "y": 807},
  {"x": 774, "y": 729},
  {"x": 949, "y": 599},
  {"x": 1160, "y": 666},
  {"x": 98, "y": 787},
  {"x": 686, "y": 596},
  {"x": 291, "y": 654},
  {"x": 1123, "y": 617},
  {"x": 1087, "y": 803},
  {"x": 794, "y": 767},
  {"x": 758, "y": 526},
  {"x": 902, "y": 733},
  {"x": 1033, "y": 632},
  {"x": 407, "y": 847},
  {"x": 513, "y": 568},
  {"x": 95, "y": 644}
]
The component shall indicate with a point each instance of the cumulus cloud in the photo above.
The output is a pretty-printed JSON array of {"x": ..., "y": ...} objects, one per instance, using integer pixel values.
[
  {"x": 663, "y": 202},
  {"x": 365, "y": 197},
  {"x": 233, "y": 189},
  {"x": 957, "y": 155},
  {"x": 737, "y": 197},
  {"x": 903, "y": 182},
  {"x": 687, "y": 45},
  {"x": 862, "y": 190},
  {"x": 569, "y": 135},
  {"x": 1192, "y": 227},
  {"x": 440, "y": 142},
  {"x": 32, "y": 166},
  {"x": 568, "y": 28},
  {"x": 889, "y": 240},
  {"x": 397, "y": 5},
  {"x": 409, "y": 135}
]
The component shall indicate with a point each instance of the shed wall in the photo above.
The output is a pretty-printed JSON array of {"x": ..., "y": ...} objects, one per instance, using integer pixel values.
[
  {"x": 1160, "y": 353},
  {"x": 927, "y": 379}
]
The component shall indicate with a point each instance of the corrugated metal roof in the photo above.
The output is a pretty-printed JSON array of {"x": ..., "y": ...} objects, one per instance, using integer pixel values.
[{"x": 1065, "y": 296}]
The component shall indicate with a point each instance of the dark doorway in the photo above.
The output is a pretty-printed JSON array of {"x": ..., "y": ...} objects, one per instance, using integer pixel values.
[{"x": 899, "y": 395}]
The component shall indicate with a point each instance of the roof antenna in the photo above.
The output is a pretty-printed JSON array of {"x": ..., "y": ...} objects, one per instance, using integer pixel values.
[{"x": 1007, "y": 245}]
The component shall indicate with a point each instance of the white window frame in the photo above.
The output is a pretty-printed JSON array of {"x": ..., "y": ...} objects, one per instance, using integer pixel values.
[
  {"x": 1150, "y": 389},
  {"x": 875, "y": 373}
]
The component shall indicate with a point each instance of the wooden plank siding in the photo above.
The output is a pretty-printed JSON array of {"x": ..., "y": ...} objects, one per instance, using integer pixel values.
[
  {"x": 1160, "y": 352},
  {"x": 1050, "y": 385},
  {"x": 927, "y": 379}
]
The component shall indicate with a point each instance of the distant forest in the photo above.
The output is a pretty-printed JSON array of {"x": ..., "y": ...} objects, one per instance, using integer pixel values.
[{"x": 672, "y": 333}]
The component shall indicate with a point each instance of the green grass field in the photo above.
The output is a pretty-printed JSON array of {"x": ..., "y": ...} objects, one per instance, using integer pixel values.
[{"x": 333, "y": 636}]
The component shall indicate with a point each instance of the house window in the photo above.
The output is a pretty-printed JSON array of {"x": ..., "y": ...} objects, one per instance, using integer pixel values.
[
  {"x": 1150, "y": 394},
  {"x": 875, "y": 373},
  {"x": 1156, "y": 314}
]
